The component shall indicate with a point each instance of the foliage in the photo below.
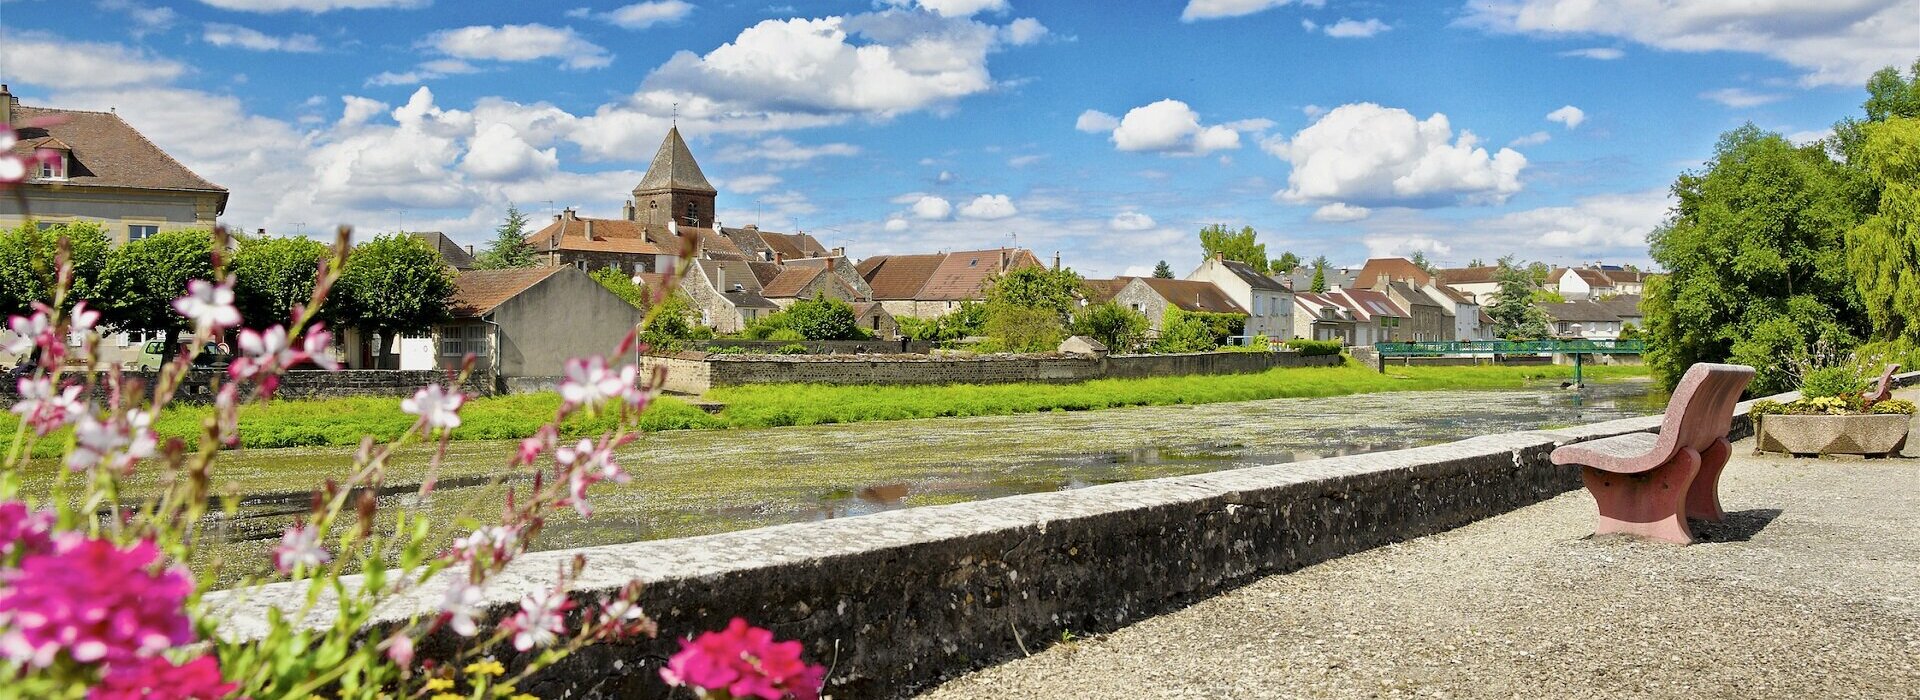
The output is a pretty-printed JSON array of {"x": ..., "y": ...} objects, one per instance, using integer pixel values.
[
  {"x": 1513, "y": 313},
  {"x": 1162, "y": 270},
  {"x": 1310, "y": 348},
  {"x": 1258, "y": 343},
  {"x": 1419, "y": 260},
  {"x": 622, "y": 286},
  {"x": 27, "y": 263},
  {"x": 672, "y": 322},
  {"x": 142, "y": 278},
  {"x": 1838, "y": 380},
  {"x": 1119, "y": 328},
  {"x": 395, "y": 283},
  {"x": 818, "y": 318},
  {"x": 271, "y": 275},
  {"x": 791, "y": 349},
  {"x": 1628, "y": 331},
  {"x": 1319, "y": 285},
  {"x": 1234, "y": 245},
  {"x": 969, "y": 319},
  {"x": 1189, "y": 331},
  {"x": 1883, "y": 252},
  {"x": 1035, "y": 287},
  {"x": 1285, "y": 264},
  {"x": 1756, "y": 269},
  {"x": 1547, "y": 296},
  {"x": 1013, "y": 328},
  {"x": 509, "y": 248},
  {"x": 1893, "y": 406},
  {"x": 1539, "y": 272}
]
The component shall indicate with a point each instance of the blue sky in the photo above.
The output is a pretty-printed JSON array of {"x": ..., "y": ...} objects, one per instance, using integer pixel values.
[{"x": 1108, "y": 131}]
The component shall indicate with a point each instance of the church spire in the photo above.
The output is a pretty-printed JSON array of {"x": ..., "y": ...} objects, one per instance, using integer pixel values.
[{"x": 674, "y": 189}]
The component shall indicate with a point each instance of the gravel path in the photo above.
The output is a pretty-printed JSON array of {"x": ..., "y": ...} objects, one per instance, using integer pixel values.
[{"x": 1810, "y": 590}]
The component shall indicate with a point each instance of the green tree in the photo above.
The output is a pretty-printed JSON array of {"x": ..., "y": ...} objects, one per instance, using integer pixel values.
[
  {"x": 1513, "y": 313},
  {"x": 1284, "y": 264},
  {"x": 1319, "y": 285},
  {"x": 1883, "y": 252},
  {"x": 1234, "y": 245},
  {"x": 1027, "y": 306},
  {"x": 27, "y": 263},
  {"x": 1756, "y": 269},
  {"x": 1115, "y": 326},
  {"x": 1163, "y": 270},
  {"x": 1548, "y": 296},
  {"x": 818, "y": 318},
  {"x": 1540, "y": 272},
  {"x": 1181, "y": 331},
  {"x": 967, "y": 320},
  {"x": 395, "y": 283},
  {"x": 509, "y": 248},
  {"x": 673, "y": 323},
  {"x": 1023, "y": 328},
  {"x": 1419, "y": 260},
  {"x": 1477, "y": 262},
  {"x": 622, "y": 286},
  {"x": 142, "y": 278},
  {"x": 272, "y": 274}
]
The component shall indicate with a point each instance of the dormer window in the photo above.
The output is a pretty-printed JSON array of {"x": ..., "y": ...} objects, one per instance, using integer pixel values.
[{"x": 54, "y": 167}]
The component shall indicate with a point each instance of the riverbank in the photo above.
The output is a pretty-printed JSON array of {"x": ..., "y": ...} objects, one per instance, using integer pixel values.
[{"x": 342, "y": 422}]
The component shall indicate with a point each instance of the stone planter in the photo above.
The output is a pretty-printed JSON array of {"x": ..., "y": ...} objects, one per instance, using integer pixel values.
[{"x": 1851, "y": 435}]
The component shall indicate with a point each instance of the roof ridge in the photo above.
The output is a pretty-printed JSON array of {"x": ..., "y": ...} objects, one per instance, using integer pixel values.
[{"x": 163, "y": 152}]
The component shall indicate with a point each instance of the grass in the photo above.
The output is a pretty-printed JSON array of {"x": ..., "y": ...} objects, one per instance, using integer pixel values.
[{"x": 342, "y": 422}]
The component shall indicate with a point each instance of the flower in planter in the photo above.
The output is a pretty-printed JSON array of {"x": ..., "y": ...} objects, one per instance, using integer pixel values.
[
  {"x": 743, "y": 661},
  {"x": 91, "y": 601},
  {"x": 156, "y": 678}
]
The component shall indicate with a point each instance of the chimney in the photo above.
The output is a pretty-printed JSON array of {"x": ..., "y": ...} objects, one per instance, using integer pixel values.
[
  {"x": 261, "y": 233},
  {"x": 469, "y": 250},
  {"x": 779, "y": 257},
  {"x": 7, "y": 103},
  {"x": 569, "y": 213},
  {"x": 839, "y": 251},
  {"x": 628, "y": 211},
  {"x": 720, "y": 276},
  {"x": 829, "y": 264},
  {"x": 1056, "y": 260},
  {"x": 1005, "y": 257},
  {"x": 753, "y": 227},
  {"x": 557, "y": 217},
  {"x": 589, "y": 229}
]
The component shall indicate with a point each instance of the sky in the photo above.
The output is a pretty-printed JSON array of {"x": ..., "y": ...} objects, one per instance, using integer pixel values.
[{"x": 1109, "y": 131}]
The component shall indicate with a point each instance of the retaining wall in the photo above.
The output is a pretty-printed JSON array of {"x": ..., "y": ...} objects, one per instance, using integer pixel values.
[
  {"x": 695, "y": 373},
  {"x": 305, "y": 384},
  {"x": 820, "y": 347}
]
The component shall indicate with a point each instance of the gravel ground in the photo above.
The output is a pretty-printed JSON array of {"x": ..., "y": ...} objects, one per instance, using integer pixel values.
[{"x": 1811, "y": 589}]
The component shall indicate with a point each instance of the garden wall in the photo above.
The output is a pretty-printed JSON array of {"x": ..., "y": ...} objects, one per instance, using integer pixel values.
[
  {"x": 897, "y": 601},
  {"x": 307, "y": 384},
  {"x": 695, "y": 373},
  {"x": 820, "y": 347}
]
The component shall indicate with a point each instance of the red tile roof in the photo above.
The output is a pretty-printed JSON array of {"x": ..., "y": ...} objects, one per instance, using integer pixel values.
[
  {"x": 106, "y": 151},
  {"x": 476, "y": 292},
  {"x": 1470, "y": 275},
  {"x": 791, "y": 281},
  {"x": 898, "y": 276},
  {"x": 1193, "y": 295},
  {"x": 1393, "y": 268},
  {"x": 963, "y": 274},
  {"x": 1367, "y": 304}
]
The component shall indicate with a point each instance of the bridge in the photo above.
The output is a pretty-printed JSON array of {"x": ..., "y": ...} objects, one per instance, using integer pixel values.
[{"x": 1578, "y": 348}]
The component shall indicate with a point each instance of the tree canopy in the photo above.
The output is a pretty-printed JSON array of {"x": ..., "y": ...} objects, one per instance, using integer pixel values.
[
  {"x": 1115, "y": 326},
  {"x": 396, "y": 282},
  {"x": 818, "y": 318},
  {"x": 1284, "y": 264},
  {"x": 1163, "y": 271},
  {"x": 142, "y": 278},
  {"x": 273, "y": 274},
  {"x": 1513, "y": 313},
  {"x": 27, "y": 263},
  {"x": 1027, "y": 308},
  {"x": 1319, "y": 275},
  {"x": 509, "y": 248},
  {"x": 1234, "y": 245}
]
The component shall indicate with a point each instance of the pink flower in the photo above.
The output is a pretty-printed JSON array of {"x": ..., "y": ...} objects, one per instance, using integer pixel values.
[
  {"x": 263, "y": 352},
  {"x": 209, "y": 305},
  {"x": 586, "y": 464},
  {"x": 300, "y": 548},
  {"x": 621, "y": 618},
  {"x": 435, "y": 405},
  {"x": 531, "y": 447},
  {"x": 399, "y": 649},
  {"x": 95, "y": 602},
  {"x": 117, "y": 443},
  {"x": 15, "y": 169},
  {"x": 460, "y": 606},
  {"x": 155, "y": 678},
  {"x": 588, "y": 382},
  {"x": 226, "y": 413},
  {"x": 24, "y": 531},
  {"x": 317, "y": 345},
  {"x": 539, "y": 622},
  {"x": 497, "y": 544},
  {"x": 29, "y": 331},
  {"x": 744, "y": 662},
  {"x": 45, "y": 410}
]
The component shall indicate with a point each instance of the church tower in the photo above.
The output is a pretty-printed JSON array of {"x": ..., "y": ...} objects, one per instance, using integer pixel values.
[{"x": 673, "y": 189}]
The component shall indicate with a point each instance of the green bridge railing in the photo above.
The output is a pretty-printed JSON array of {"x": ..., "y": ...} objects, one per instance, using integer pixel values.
[{"x": 1511, "y": 347}]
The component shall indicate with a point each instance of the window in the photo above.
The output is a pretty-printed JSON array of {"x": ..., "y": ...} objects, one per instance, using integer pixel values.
[
  {"x": 457, "y": 341},
  {"x": 54, "y": 168},
  {"x": 138, "y": 231},
  {"x": 693, "y": 215}
]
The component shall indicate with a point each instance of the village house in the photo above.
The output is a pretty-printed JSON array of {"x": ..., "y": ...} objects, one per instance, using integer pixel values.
[
  {"x": 727, "y": 293},
  {"x": 1376, "y": 319},
  {"x": 932, "y": 285},
  {"x": 1470, "y": 322},
  {"x": 524, "y": 324},
  {"x": 1321, "y": 317},
  {"x": 1627, "y": 307},
  {"x": 1582, "y": 318},
  {"x": 456, "y": 256},
  {"x": 104, "y": 171},
  {"x": 1429, "y": 320},
  {"x": 1152, "y": 296},
  {"x": 1480, "y": 283},
  {"x": 1581, "y": 283},
  {"x": 1269, "y": 304},
  {"x": 1393, "y": 269}
]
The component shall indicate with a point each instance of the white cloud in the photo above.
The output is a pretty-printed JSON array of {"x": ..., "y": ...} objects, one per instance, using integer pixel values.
[
  {"x": 520, "y": 42},
  {"x": 1337, "y": 212},
  {"x": 1216, "y": 9},
  {"x": 1368, "y": 154},
  {"x": 1356, "y": 29},
  {"x": 1597, "y": 53},
  {"x": 1313, "y": 111},
  {"x": 897, "y": 224},
  {"x": 145, "y": 19},
  {"x": 931, "y": 207},
  {"x": 780, "y": 149},
  {"x": 752, "y": 184},
  {"x": 412, "y": 77},
  {"x": 497, "y": 152},
  {"x": 953, "y": 8},
  {"x": 358, "y": 110},
  {"x": 43, "y": 60},
  {"x": 227, "y": 35},
  {"x": 1832, "y": 42},
  {"x": 1802, "y": 138},
  {"x": 1170, "y": 126},
  {"x": 1739, "y": 98},
  {"x": 1387, "y": 246},
  {"x": 1131, "y": 221},
  {"x": 1094, "y": 121},
  {"x": 641, "y": 15},
  {"x": 1568, "y": 115},
  {"x": 1533, "y": 139},
  {"x": 1611, "y": 226},
  {"x": 945, "y": 177},
  {"x": 989, "y": 207},
  {"x": 1024, "y": 31},
  {"x": 1600, "y": 222},
  {"x": 313, "y": 6},
  {"x": 1024, "y": 161}
]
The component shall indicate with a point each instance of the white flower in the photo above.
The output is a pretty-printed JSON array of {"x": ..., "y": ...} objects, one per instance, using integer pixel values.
[
  {"x": 116, "y": 443},
  {"x": 589, "y": 384},
  {"x": 538, "y": 624},
  {"x": 209, "y": 305},
  {"x": 270, "y": 348},
  {"x": 435, "y": 405},
  {"x": 498, "y": 542},
  {"x": 45, "y": 410},
  {"x": 27, "y": 331},
  {"x": 317, "y": 345},
  {"x": 300, "y": 547},
  {"x": 460, "y": 606},
  {"x": 84, "y": 318}
]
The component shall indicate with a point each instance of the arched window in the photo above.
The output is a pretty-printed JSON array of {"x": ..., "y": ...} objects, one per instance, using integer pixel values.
[{"x": 693, "y": 215}]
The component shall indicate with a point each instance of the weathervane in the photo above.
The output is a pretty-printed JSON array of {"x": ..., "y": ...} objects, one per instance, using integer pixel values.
[{"x": 676, "y": 115}]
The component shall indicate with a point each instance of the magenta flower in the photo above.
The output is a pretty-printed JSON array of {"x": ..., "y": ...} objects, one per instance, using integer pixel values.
[
  {"x": 24, "y": 531},
  {"x": 539, "y": 623},
  {"x": 399, "y": 649},
  {"x": 155, "y": 678},
  {"x": 45, "y": 410},
  {"x": 209, "y": 305},
  {"x": 300, "y": 548},
  {"x": 588, "y": 383},
  {"x": 95, "y": 602},
  {"x": 116, "y": 443},
  {"x": 435, "y": 405},
  {"x": 744, "y": 662},
  {"x": 584, "y": 465},
  {"x": 226, "y": 413}
]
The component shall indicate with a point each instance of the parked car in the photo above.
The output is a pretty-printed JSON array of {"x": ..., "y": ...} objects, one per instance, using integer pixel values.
[{"x": 211, "y": 355}]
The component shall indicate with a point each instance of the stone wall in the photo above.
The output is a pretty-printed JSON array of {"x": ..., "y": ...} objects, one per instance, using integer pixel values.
[
  {"x": 695, "y": 373},
  {"x": 307, "y": 384},
  {"x": 820, "y": 347}
]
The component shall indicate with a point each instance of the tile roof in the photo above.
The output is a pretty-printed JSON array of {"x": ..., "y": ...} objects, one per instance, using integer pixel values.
[
  {"x": 1367, "y": 304},
  {"x": 1454, "y": 295},
  {"x": 106, "y": 151},
  {"x": 609, "y": 235},
  {"x": 1313, "y": 304},
  {"x": 963, "y": 274},
  {"x": 898, "y": 276},
  {"x": 1253, "y": 278},
  {"x": 792, "y": 281},
  {"x": 453, "y": 253},
  {"x": 1579, "y": 311},
  {"x": 1593, "y": 278},
  {"x": 737, "y": 272},
  {"x": 1413, "y": 296},
  {"x": 1393, "y": 269},
  {"x": 764, "y": 271},
  {"x": 1193, "y": 295},
  {"x": 1102, "y": 290},
  {"x": 477, "y": 292},
  {"x": 1622, "y": 305},
  {"x": 748, "y": 299},
  {"x": 673, "y": 168},
  {"x": 1469, "y": 275}
]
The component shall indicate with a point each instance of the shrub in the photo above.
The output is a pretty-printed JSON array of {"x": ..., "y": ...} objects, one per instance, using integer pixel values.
[
  {"x": 727, "y": 350},
  {"x": 1181, "y": 331},
  {"x": 818, "y": 318},
  {"x": 1311, "y": 348},
  {"x": 1024, "y": 328},
  {"x": 1836, "y": 381},
  {"x": 1119, "y": 328},
  {"x": 793, "y": 349},
  {"x": 1894, "y": 406},
  {"x": 786, "y": 334}
]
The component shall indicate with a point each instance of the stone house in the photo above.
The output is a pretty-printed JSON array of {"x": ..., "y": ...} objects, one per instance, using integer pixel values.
[
  {"x": 1581, "y": 318},
  {"x": 1481, "y": 284},
  {"x": 873, "y": 316},
  {"x": 1429, "y": 320},
  {"x": 1470, "y": 322},
  {"x": 1269, "y": 304},
  {"x": 1396, "y": 269},
  {"x": 1321, "y": 317},
  {"x": 1152, "y": 296},
  {"x": 728, "y": 294},
  {"x": 524, "y": 324},
  {"x": 1376, "y": 319},
  {"x": 832, "y": 277},
  {"x": 105, "y": 172},
  {"x": 1627, "y": 307},
  {"x": 931, "y": 285}
]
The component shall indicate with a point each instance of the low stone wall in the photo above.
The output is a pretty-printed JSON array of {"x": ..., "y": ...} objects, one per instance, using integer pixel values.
[
  {"x": 897, "y": 601},
  {"x": 901, "y": 346},
  {"x": 1502, "y": 360},
  {"x": 695, "y": 373},
  {"x": 307, "y": 384}
]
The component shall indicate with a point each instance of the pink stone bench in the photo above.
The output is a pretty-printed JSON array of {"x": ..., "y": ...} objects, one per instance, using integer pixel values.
[
  {"x": 1883, "y": 390},
  {"x": 1648, "y": 485}
]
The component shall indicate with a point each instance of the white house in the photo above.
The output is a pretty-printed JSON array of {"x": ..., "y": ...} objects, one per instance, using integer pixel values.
[
  {"x": 1467, "y": 321},
  {"x": 1269, "y": 303},
  {"x": 1583, "y": 319}
]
